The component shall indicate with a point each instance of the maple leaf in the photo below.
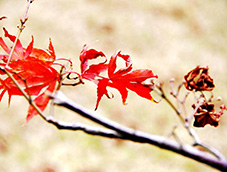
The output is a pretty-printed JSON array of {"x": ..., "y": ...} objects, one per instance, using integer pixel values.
[
  {"x": 86, "y": 55},
  {"x": 31, "y": 68},
  {"x": 123, "y": 79},
  {"x": 91, "y": 72}
]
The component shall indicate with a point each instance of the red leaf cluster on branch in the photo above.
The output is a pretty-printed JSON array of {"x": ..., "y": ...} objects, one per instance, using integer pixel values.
[{"x": 32, "y": 69}]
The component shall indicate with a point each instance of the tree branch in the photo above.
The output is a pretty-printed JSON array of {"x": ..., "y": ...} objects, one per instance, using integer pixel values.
[
  {"x": 116, "y": 130},
  {"x": 85, "y": 128}
]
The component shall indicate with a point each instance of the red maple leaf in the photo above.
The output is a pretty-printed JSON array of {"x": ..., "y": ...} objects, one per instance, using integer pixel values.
[
  {"x": 32, "y": 69},
  {"x": 91, "y": 72},
  {"x": 123, "y": 79}
]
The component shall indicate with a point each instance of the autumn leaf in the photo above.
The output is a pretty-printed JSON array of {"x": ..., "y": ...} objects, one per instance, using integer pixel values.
[
  {"x": 92, "y": 72},
  {"x": 32, "y": 69},
  {"x": 123, "y": 79},
  {"x": 88, "y": 54}
]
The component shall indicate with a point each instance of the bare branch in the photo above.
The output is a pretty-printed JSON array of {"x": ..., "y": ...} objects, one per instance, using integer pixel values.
[
  {"x": 85, "y": 128},
  {"x": 123, "y": 132}
]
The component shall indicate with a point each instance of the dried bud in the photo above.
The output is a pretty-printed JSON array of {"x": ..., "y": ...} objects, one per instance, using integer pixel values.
[
  {"x": 198, "y": 79},
  {"x": 206, "y": 114}
]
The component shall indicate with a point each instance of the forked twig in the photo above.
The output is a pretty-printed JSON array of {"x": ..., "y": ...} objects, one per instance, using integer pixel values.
[{"x": 185, "y": 121}]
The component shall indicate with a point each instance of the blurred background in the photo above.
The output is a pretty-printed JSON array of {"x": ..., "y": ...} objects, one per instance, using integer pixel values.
[{"x": 169, "y": 37}]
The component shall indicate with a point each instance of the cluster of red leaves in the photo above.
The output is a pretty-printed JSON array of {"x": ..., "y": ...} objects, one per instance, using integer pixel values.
[
  {"x": 199, "y": 79},
  {"x": 32, "y": 69},
  {"x": 123, "y": 79}
]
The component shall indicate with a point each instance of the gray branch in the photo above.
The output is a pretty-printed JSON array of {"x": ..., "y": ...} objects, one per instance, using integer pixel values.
[
  {"x": 115, "y": 130},
  {"x": 85, "y": 128}
]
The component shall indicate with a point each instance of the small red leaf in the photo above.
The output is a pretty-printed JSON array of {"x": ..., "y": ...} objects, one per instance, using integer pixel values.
[
  {"x": 86, "y": 55},
  {"x": 122, "y": 79}
]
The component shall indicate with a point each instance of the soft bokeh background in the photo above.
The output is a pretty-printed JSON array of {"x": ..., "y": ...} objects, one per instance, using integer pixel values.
[{"x": 169, "y": 37}]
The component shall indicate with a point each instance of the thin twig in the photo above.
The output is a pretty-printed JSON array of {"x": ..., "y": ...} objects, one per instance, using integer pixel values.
[
  {"x": 186, "y": 122},
  {"x": 163, "y": 95},
  {"x": 20, "y": 29}
]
